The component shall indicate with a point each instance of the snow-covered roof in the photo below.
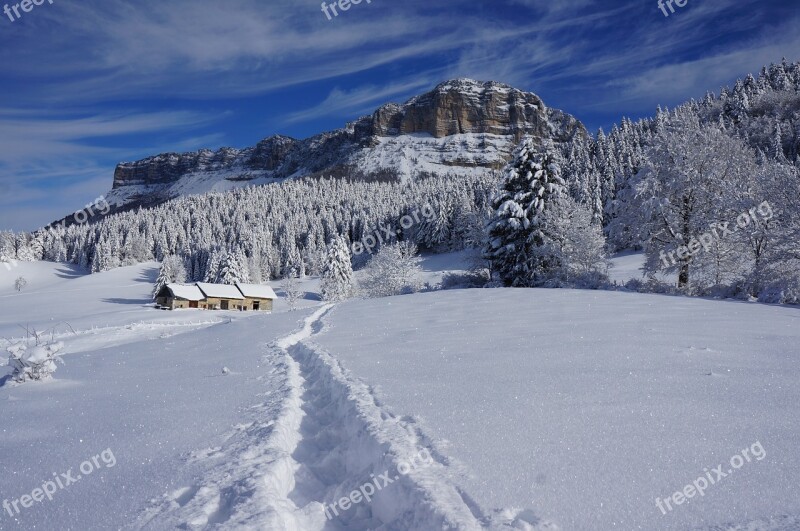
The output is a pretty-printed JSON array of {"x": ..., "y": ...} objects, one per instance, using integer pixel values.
[
  {"x": 187, "y": 292},
  {"x": 220, "y": 291},
  {"x": 256, "y": 291}
]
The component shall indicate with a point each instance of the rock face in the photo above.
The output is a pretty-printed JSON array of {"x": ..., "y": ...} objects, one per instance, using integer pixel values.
[
  {"x": 459, "y": 126},
  {"x": 463, "y": 106}
]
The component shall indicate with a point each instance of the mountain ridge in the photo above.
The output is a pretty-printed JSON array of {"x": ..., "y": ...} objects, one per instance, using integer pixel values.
[{"x": 460, "y": 126}]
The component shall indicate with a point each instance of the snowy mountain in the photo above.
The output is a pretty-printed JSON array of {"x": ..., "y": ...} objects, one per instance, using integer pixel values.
[{"x": 460, "y": 127}]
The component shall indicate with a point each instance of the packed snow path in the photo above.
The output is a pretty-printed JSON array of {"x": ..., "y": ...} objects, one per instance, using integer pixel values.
[{"x": 323, "y": 437}]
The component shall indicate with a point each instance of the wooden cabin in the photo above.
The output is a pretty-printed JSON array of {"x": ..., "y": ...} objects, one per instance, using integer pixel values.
[
  {"x": 220, "y": 297},
  {"x": 257, "y": 297},
  {"x": 205, "y": 296},
  {"x": 174, "y": 296}
]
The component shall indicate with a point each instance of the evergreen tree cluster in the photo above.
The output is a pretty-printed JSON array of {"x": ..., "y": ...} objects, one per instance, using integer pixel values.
[
  {"x": 539, "y": 235},
  {"x": 763, "y": 112},
  {"x": 262, "y": 233}
]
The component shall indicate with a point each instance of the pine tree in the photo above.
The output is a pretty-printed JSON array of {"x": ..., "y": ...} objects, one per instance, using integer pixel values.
[
  {"x": 233, "y": 269},
  {"x": 172, "y": 271},
  {"x": 516, "y": 232},
  {"x": 212, "y": 268},
  {"x": 291, "y": 289},
  {"x": 337, "y": 273}
]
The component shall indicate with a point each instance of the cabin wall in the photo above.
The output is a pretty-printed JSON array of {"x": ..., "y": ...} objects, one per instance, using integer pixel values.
[
  {"x": 265, "y": 306},
  {"x": 215, "y": 303},
  {"x": 172, "y": 303}
]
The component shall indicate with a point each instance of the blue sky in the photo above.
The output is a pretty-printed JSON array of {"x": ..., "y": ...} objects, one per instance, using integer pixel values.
[{"x": 86, "y": 84}]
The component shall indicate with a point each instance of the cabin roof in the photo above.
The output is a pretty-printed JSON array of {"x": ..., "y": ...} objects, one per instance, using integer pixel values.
[
  {"x": 220, "y": 291},
  {"x": 188, "y": 292},
  {"x": 256, "y": 291}
]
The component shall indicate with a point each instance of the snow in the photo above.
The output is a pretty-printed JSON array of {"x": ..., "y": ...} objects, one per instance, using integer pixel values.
[
  {"x": 630, "y": 266},
  {"x": 541, "y": 409},
  {"x": 223, "y": 291},
  {"x": 188, "y": 292},
  {"x": 258, "y": 291},
  {"x": 587, "y": 406},
  {"x": 408, "y": 155}
]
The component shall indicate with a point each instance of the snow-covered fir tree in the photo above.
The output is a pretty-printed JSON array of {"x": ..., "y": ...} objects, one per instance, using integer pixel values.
[
  {"x": 233, "y": 269},
  {"x": 337, "y": 272},
  {"x": 518, "y": 237},
  {"x": 172, "y": 271}
]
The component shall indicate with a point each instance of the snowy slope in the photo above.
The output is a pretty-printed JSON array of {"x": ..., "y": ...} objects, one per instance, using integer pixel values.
[
  {"x": 628, "y": 265},
  {"x": 587, "y": 406},
  {"x": 162, "y": 407},
  {"x": 89, "y": 311},
  {"x": 534, "y": 409}
]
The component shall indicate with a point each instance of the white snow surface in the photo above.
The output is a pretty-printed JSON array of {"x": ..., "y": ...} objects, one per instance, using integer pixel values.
[
  {"x": 189, "y": 292},
  {"x": 220, "y": 290},
  {"x": 586, "y": 406},
  {"x": 464, "y": 154},
  {"x": 541, "y": 409},
  {"x": 258, "y": 291}
]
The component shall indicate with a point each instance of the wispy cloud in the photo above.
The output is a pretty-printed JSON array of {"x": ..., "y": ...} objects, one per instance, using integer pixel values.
[{"x": 353, "y": 102}]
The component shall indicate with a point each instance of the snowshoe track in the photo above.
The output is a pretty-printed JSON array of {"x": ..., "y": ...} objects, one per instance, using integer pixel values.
[{"x": 329, "y": 437}]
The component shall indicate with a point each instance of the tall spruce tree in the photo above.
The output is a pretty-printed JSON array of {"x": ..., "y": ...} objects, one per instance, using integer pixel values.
[
  {"x": 517, "y": 232},
  {"x": 233, "y": 269},
  {"x": 172, "y": 270},
  {"x": 337, "y": 272}
]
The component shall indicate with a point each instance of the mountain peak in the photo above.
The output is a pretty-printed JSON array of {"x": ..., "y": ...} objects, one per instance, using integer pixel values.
[
  {"x": 467, "y": 84},
  {"x": 460, "y": 126}
]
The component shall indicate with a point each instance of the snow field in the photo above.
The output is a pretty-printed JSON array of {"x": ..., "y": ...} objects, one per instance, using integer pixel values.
[
  {"x": 587, "y": 406},
  {"x": 327, "y": 438},
  {"x": 540, "y": 409}
]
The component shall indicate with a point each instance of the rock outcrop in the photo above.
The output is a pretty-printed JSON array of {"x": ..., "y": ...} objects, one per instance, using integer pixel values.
[{"x": 459, "y": 126}]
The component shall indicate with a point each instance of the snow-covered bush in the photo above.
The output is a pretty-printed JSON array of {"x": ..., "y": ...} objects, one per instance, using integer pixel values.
[
  {"x": 33, "y": 363},
  {"x": 782, "y": 285},
  {"x": 464, "y": 280},
  {"x": 20, "y": 283},
  {"x": 393, "y": 271}
]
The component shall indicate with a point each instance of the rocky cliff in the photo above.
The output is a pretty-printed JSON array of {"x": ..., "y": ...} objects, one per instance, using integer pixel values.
[{"x": 459, "y": 126}]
